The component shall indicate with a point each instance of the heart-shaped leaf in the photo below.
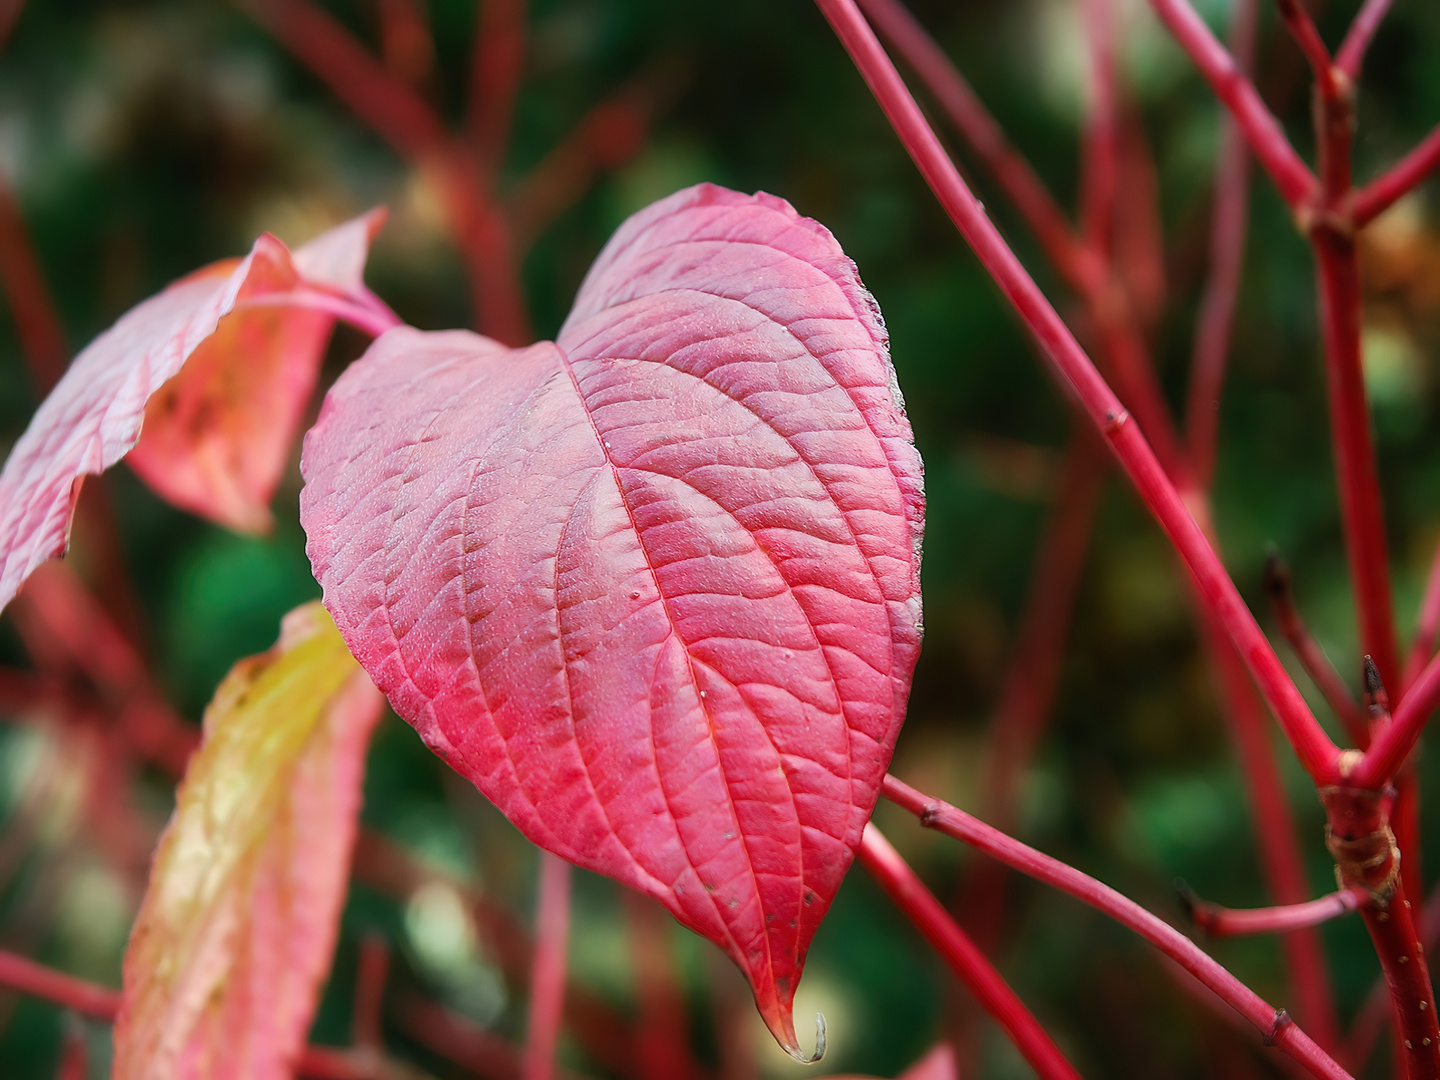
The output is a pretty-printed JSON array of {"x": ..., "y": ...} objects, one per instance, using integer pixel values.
[
  {"x": 654, "y": 589},
  {"x": 220, "y": 439},
  {"x": 238, "y": 924}
]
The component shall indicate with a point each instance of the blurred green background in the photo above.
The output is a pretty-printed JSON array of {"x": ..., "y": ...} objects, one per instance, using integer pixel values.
[{"x": 143, "y": 139}]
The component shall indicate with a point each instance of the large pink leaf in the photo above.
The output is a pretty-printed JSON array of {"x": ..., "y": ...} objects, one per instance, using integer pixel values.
[
  {"x": 256, "y": 368},
  {"x": 653, "y": 589}
]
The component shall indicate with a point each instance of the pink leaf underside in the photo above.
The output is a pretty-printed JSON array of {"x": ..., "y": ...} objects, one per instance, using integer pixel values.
[
  {"x": 94, "y": 415},
  {"x": 654, "y": 589}
]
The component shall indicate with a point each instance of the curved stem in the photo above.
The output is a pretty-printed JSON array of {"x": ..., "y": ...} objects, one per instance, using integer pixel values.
[
  {"x": 1314, "y": 748},
  {"x": 1216, "y": 921},
  {"x": 547, "y": 982},
  {"x": 1274, "y": 1024},
  {"x": 366, "y": 318},
  {"x": 968, "y": 963}
]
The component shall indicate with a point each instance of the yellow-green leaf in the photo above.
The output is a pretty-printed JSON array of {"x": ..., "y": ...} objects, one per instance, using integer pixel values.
[{"x": 237, "y": 928}]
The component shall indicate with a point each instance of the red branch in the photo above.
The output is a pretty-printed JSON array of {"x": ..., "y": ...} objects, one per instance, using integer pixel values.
[
  {"x": 1302, "y": 28},
  {"x": 968, "y": 963},
  {"x": 78, "y": 995},
  {"x": 1228, "y": 225},
  {"x": 1404, "y": 176},
  {"x": 1357, "y": 475},
  {"x": 1100, "y": 149},
  {"x": 1367, "y": 20},
  {"x": 1393, "y": 745},
  {"x": 1315, "y": 750},
  {"x": 1219, "y": 922},
  {"x": 1272, "y": 1023},
  {"x": 664, "y": 1028},
  {"x": 1008, "y": 168},
  {"x": 547, "y": 981},
  {"x": 406, "y": 42},
  {"x": 1423, "y": 647},
  {"x": 1296, "y": 183},
  {"x": 1312, "y": 658},
  {"x": 42, "y": 341},
  {"x": 1370, "y": 1021},
  {"x": 370, "y": 992}
]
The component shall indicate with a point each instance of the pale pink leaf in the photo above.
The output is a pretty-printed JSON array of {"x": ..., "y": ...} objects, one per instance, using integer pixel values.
[
  {"x": 655, "y": 589},
  {"x": 94, "y": 415},
  {"x": 236, "y": 932}
]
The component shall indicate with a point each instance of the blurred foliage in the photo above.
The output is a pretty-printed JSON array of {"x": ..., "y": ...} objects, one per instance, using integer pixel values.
[{"x": 145, "y": 137}]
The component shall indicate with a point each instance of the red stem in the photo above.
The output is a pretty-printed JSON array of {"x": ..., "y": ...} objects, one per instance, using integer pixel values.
[
  {"x": 78, "y": 995},
  {"x": 1423, "y": 647},
  {"x": 1312, "y": 658},
  {"x": 1009, "y": 170},
  {"x": 42, "y": 340},
  {"x": 1296, "y": 183},
  {"x": 1228, "y": 225},
  {"x": 1356, "y": 473},
  {"x": 1393, "y": 744},
  {"x": 1315, "y": 750},
  {"x": 74, "y": 1054},
  {"x": 497, "y": 63},
  {"x": 547, "y": 981},
  {"x": 1367, "y": 20},
  {"x": 910, "y": 895},
  {"x": 1219, "y": 922},
  {"x": 1370, "y": 1020},
  {"x": 406, "y": 41},
  {"x": 1302, "y": 28},
  {"x": 1273, "y": 1023},
  {"x": 1405, "y": 175}
]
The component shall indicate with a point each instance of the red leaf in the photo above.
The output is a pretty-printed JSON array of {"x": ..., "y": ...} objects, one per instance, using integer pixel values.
[
  {"x": 238, "y": 924},
  {"x": 218, "y": 435},
  {"x": 93, "y": 417},
  {"x": 655, "y": 589}
]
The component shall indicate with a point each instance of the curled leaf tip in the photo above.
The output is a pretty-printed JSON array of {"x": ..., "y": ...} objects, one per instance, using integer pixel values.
[{"x": 810, "y": 1059}]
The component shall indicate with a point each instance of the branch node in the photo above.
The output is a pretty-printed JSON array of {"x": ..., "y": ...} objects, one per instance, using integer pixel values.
[{"x": 1282, "y": 1021}]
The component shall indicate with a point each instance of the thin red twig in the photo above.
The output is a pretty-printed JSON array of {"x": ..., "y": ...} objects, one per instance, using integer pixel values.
[
  {"x": 1367, "y": 20},
  {"x": 78, "y": 995},
  {"x": 1217, "y": 921},
  {"x": 1272, "y": 821},
  {"x": 1314, "y": 748},
  {"x": 406, "y": 42},
  {"x": 1007, "y": 167},
  {"x": 1228, "y": 225},
  {"x": 1356, "y": 473},
  {"x": 1393, "y": 745},
  {"x": 1302, "y": 28},
  {"x": 1312, "y": 658},
  {"x": 42, "y": 340},
  {"x": 1272, "y": 1023},
  {"x": 1426, "y": 625},
  {"x": 547, "y": 983},
  {"x": 74, "y": 1053},
  {"x": 1401, "y": 178},
  {"x": 968, "y": 963},
  {"x": 1296, "y": 183}
]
